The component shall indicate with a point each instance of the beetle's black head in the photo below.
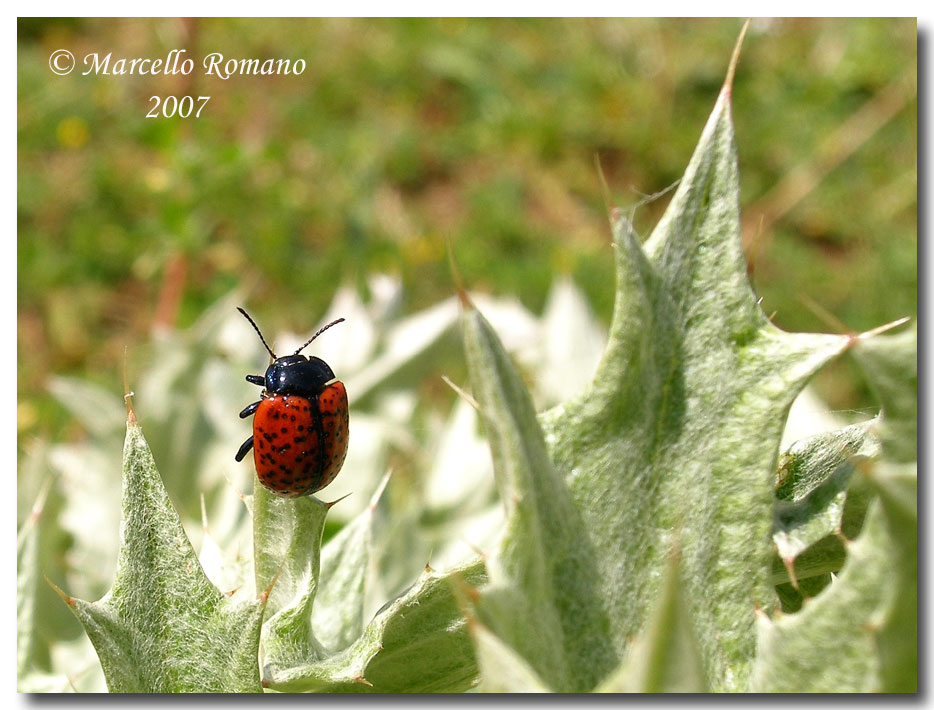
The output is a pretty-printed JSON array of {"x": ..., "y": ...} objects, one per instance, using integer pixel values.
[
  {"x": 293, "y": 374},
  {"x": 297, "y": 374}
]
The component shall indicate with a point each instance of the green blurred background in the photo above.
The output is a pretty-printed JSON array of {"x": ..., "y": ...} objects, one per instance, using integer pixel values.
[{"x": 402, "y": 134}]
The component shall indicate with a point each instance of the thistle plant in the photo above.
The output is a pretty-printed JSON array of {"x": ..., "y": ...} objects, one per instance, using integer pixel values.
[{"x": 645, "y": 534}]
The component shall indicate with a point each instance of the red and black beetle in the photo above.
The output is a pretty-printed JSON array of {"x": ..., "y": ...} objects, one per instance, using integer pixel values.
[{"x": 300, "y": 424}]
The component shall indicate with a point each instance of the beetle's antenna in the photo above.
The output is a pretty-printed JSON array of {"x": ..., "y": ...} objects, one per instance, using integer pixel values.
[
  {"x": 256, "y": 328},
  {"x": 333, "y": 322}
]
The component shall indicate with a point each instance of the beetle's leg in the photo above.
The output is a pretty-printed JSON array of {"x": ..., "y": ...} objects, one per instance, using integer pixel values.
[
  {"x": 250, "y": 409},
  {"x": 256, "y": 380},
  {"x": 247, "y": 445}
]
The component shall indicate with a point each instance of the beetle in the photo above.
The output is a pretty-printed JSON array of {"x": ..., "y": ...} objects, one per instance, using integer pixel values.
[{"x": 301, "y": 422}]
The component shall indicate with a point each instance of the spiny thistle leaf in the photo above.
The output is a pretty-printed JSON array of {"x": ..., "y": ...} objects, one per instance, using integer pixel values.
[
  {"x": 287, "y": 555},
  {"x": 680, "y": 428},
  {"x": 424, "y": 643},
  {"x": 337, "y": 617},
  {"x": 860, "y": 634},
  {"x": 891, "y": 364},
  {"x": 416, "y": 643},
  {"x": 825, "y": 647},
  {"x": 315, "y": 638},
  {"x": 813, "y": 489},
  {"x": 287, "y": 542},
  {"x": 541, "y": 600},
  {"x": 678, "y": 432},
  {"x": 163, "y": 627},
  {"x": 829, "y": 645}
]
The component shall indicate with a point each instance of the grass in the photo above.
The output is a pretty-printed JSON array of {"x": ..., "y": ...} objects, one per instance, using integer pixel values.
[{"x": 402, "y": 134}]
